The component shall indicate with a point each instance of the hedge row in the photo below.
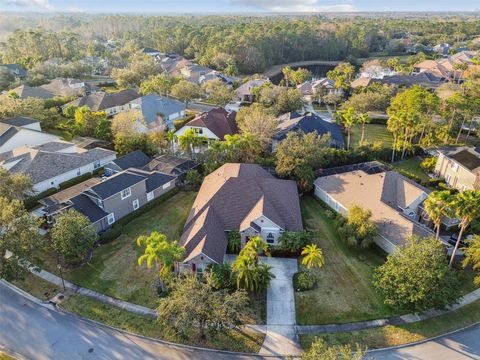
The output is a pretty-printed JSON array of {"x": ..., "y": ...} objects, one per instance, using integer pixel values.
[
  {"x": 32, "y": 201},
  {"x": 117, "y": 229}
]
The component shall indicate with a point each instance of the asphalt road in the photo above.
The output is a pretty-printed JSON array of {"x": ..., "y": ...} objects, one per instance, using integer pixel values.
[{"x": 36, "y": 332}]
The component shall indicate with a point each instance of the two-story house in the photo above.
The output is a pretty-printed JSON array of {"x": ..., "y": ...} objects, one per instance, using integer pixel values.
[
  {"x": 212, "y": 125},
  {"x": 106, "y": 201},
  {"x": 460, "y": 167},
  {"x": 238, "y": 197}
]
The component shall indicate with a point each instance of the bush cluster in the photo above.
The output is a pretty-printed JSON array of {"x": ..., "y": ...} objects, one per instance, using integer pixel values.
[{"x": 303, "y": 281}]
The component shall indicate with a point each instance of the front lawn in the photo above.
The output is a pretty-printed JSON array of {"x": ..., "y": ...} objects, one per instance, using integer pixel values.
[
  {"x": 373, "y": 132},
  {"x": 344, "y": 292},
  {"x": 404, "y": 334},
  {"x": 232, "y": 340}
]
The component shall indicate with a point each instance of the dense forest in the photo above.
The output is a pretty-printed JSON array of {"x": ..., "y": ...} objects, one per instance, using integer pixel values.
[{"x": 250, "y": 44}]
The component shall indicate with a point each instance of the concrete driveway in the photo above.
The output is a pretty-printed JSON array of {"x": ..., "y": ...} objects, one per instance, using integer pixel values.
[{"x": 281, "y": 337}]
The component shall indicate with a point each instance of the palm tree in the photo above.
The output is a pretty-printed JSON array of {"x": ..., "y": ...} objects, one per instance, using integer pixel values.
[
  {"x": 437, "y": 207},
  {"x": 348, "y": 118},
  {"x": 171, "y": 137},
  {"x": 189, "y": 140},
  {"x": 161, "y": 252},
  {"x": 363, "y": 119},
  {"x": 466, "y": 205},
  {"x": 313, "y": 256}
]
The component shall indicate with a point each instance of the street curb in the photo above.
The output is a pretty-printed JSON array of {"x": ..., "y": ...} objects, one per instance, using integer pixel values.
[
  {"x": 125, "y": 332},
  {"x": 424, "y": 340}
]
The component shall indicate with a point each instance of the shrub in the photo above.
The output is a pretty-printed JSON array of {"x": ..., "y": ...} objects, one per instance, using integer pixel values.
[
  {"x": 221, "y": 276},
  {"x": 429, "y": 164},
  {"x": 234, "y": 242},
  {"x": 111, "y": 234},
  {"x": 293, "y": 241},
  {"x": 178, "y": 124},
  {"x": 330, "y": 214},
  {"x": 303, "y": 281}
]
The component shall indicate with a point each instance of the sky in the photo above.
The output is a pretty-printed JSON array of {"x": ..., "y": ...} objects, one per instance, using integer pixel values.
[{"x": 159, "y": 7}]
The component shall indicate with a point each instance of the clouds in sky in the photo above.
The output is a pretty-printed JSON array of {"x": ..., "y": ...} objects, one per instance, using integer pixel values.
[
  {"x": 298, "y": 5},
  {"x": 41, "y": 4}
]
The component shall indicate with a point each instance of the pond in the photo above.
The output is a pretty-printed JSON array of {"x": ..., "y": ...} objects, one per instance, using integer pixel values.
[{"x": 318, "y": 71}]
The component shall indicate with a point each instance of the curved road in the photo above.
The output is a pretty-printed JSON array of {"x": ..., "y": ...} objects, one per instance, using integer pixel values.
[{"x": 36, "y": 332}]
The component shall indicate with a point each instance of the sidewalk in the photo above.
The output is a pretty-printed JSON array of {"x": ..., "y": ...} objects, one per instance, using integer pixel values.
[{"x": 54, "y": 279}]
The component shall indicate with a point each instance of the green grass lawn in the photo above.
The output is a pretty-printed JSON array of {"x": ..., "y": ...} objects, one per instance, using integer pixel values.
[
  {"x": 398, "y": 335},
  {"x": 373, "y": 132},
  {"x": 232, "y": 340},
  {"x": 412, "y": 166},
  {"x": 39, "y": 288},
  {"x": 114, "y": 270},
  {"x": 344, "y": 292}
]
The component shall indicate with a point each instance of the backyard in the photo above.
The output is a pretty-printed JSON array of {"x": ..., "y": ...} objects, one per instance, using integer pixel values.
[
  {"x": 373, "y": 132},
  {"x": 411, "y": 166}
]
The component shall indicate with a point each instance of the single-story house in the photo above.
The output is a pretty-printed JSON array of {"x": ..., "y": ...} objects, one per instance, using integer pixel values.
[
  {"x": 460, "y": 167},
  {"x": 111, "y": 103},
  {"x": 158, "y": 112},
  {"x": 70, "y": 87},
  {"x": 106, "y": 201},
  {"x": 311, "y": 87},
  {"x": 213, "y": 125},
  {"x": 237, "y": 197},
  {"x": 24, "y": 92},
  {"x": 307, "y": 123},
  {"x": 136, "y": 159},
  {"x": 52, "y": 163},
  {"x": 20, "y": 131},
  {"x": 245, "y": 91},
  {"x": 394, "y": 200}
]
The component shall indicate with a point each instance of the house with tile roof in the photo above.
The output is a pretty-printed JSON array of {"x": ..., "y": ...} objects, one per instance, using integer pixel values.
[
  {"x": 212, "y": 125},
  {"x": 20, "y": 131},
  {"x": 238, "y": 197},
  {"x": 394, "y": 200},
  {"x": 105, "y": 201},
  {"x": 111, "y": 103},
  {"x": 460, "y": 167},
  {"x": 51, "y": 163},
  {"x": 307, "y": 123},
  {"x": 159, "y": 112}
]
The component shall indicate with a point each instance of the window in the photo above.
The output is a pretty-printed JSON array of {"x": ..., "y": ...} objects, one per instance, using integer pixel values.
[
  {"x": 270, "y": 238},
  {"x": 150, "y": 196},
  {"x": 198, "y": 131},
  {"x": 100, "y": 203},
  {"x": 199, "y": 268},
  {"x": 166, "y": 186},
  {"x": 96, "y": 164},
  {"x": 111, "y": 218},
  {"x": 136, "y": 204},
  {"x": 126, "y": 193},
  {"x": 455, "y": 167}
]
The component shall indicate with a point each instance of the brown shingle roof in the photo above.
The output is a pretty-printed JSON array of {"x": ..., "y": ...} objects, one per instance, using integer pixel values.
[
  {"x": 218, "y": 120},
  {"x": 230, "y": 199}
]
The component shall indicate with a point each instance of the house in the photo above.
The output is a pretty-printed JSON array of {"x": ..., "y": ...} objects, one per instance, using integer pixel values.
[
  {"x": 323, "y": 85},
  {"x": 393, "y": 199},
  {"x": 171, "y": 165},
  {"x": 237, "y": 197},
  {"x": 442, "y": 49},
  {"x": 377, "y": 72},
  {"x": 70, "y": 87},
  {"x": 197, "y": 74},
  {"x": 20, "y": 131},
  {"x": 52, "y": 163},
  {"x": 112, "y": 104},
  {"x": 106, "y": 201},
  {"x": 24, "y": 92},
  {"x": 16, "y": 70},
  {"x": 136, "y": 159},
  {"x": 361, "y": 82},
  {"x": 307, "y": 123},
  {"x": 151, "y": 52},
  {"x": 460, "y": 167},
  {"x": 212, "y": 125},
  {"x": 245, "y": 92},
  {"x": 159, "y": 112}
]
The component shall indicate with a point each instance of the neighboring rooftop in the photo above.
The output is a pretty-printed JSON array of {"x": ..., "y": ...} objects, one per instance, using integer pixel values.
[
  {"x": 219, "y": 121},
  {"x": 101, "y": 100},
  {"x": 70, "y": 87},
  {"x": 154, "y": 107},
  {"x": 386, "y": 193},
  {"x": 171, "y": 165},
  {"x": 24, "y": 92},
  {"x": 19, "y": 121},
  {"x": 231, "y": 198},
  {"x": 135, "y": 159},
  {"x": 468, "y": 157}
]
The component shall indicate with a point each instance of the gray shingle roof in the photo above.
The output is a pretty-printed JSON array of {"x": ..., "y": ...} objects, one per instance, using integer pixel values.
[
  {"x": 19, "y": 121},
  {"x": 82, "y": 203},
  {"x": 151, "y": 105},
  {"x": 117, "y": 183},
  {"x": 102, "y": 101},
  {"x": 18, "y": 70},
  {"x": 135, "y": 159},
  {"x": 154, "y": 179},
  {"x": 25, "y": 91},
  {"x": 171, "y": 165},
  {"x": 42, "y": 164}
]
